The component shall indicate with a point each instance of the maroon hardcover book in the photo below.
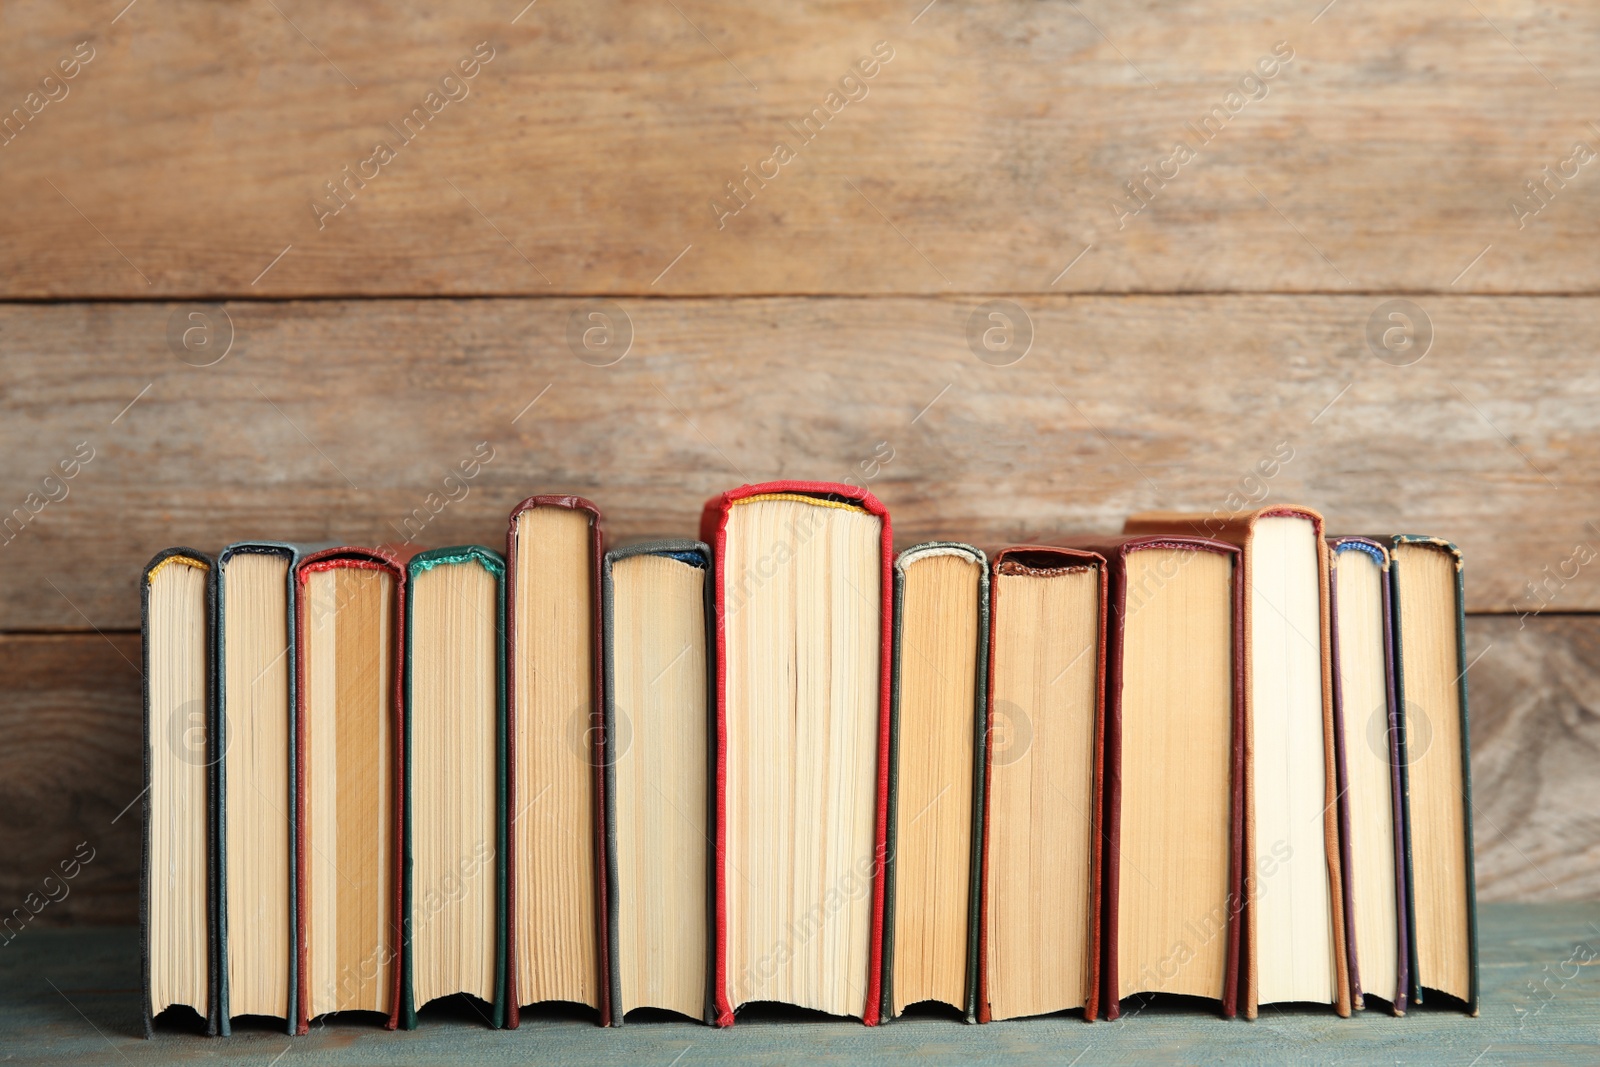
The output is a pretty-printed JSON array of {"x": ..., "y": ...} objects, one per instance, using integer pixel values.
[{"x": 1225, "y": 919}]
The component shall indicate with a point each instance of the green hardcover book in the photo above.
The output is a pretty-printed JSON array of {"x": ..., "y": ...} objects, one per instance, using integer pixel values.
[
  {"x": 455, "y": 819},
  {"x": 938, "y": 731}
]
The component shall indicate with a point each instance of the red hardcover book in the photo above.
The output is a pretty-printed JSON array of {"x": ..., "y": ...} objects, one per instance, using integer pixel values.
[
  {"x": 555, "y": 758},
  {"x": 803, "y": 587},
  {"x": 349, "y": 781}
]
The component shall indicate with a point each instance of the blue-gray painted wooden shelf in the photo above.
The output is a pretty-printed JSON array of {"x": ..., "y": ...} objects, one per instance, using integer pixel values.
[{"x": 71, "y": 996}]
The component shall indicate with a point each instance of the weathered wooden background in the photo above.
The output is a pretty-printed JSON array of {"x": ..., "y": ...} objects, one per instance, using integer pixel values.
[{"x": 1167, "y": 347}]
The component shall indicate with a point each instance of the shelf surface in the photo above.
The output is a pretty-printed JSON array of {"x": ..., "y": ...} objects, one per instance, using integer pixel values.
[{"x": 71, "y": 996}]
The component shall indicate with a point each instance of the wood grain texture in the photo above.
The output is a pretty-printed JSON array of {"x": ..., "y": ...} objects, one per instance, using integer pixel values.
[
  {"x": 991, "y": 151},
  {"x": 337, "y": 420},
  {"x": 72, "y": 763},
  {"x": 989, "y": 155},
  {"x": 1540, "y": 1005},
  {"x": 1535, "y": 697},
  {"x": 71, "y": 770}
]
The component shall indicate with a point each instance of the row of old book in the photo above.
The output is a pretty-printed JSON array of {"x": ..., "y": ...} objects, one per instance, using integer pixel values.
[{"x": 1217, "y": 756}]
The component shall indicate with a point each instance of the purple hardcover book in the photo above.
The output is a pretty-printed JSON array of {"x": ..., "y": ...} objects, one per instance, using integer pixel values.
[{"x": 1367, "y": 750}]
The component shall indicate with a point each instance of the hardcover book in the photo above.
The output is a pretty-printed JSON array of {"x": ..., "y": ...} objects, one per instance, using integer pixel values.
[
  {"x": 350, "y": 608},
  {"x": 555, "y": 847},
  {"x": 178, "y": 902},
  {"x": 454, "y": 819},
  {"x": 256, "y": 914},
  {"x": 1172, "y": 768},
  {"x": 1294, "y": 931},
  {"x": 659, "y": 757},
  {"x": 1429, "y": 632},
  {"x": 1039, "y": 942},
  {"x": 803, "y": 576},
  {"x": 1367, "y": 731},
  {"x": 938, "y": 728}
]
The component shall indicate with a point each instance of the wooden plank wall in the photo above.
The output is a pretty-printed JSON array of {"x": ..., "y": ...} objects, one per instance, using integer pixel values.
[{"x": 1336, "y": 255}]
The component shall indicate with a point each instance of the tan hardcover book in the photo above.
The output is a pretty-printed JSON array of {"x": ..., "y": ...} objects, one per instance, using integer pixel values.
[
  {"x": 555, "y": 848},
  {"x": 1039, "y": 942}
]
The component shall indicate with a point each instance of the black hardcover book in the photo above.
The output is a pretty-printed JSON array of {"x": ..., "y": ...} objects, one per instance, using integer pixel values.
[{"x": 656, "y": 605}]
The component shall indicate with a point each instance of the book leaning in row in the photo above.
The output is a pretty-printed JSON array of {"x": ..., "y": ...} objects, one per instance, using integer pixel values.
[{"x": 1219, "y": 758}]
